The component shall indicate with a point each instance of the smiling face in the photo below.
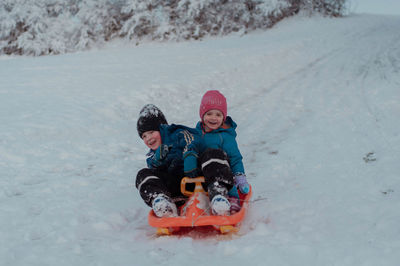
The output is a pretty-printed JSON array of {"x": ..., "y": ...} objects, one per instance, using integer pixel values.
[
  {"x": 152, "y": 139},
  {"x": 212, "y": 120}
]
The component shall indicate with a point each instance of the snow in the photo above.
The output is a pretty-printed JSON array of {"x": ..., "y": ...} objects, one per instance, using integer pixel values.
[
  {"x": 317, "y": 105},
  {"x": 387, "y": 7}
]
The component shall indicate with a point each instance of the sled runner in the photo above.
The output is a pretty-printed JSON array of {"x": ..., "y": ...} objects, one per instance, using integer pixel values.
[{"x": 197, "y": 212}]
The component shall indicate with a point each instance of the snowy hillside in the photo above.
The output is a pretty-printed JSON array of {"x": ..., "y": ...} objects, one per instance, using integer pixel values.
[{"x": 317, "y": 105}]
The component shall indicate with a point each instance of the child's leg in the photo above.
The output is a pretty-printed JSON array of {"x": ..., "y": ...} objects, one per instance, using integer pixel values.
[
  {"x": 154, "y": 190},
  {"x": 215, "y": 167},
  {"x": 218, "y": 178},
  {"x": 150, "y": 183}
]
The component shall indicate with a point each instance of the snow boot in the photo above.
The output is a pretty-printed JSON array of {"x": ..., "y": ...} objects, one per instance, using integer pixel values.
[
  {"x": 235, "y": 204},
  {"x": 164, "y": 207},
  {"x": 220, "y": 205},
  {"x": 218, "y": 195}
]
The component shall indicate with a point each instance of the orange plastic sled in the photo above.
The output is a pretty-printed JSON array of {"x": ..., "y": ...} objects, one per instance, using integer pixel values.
[{"x": 196, "y": 212}]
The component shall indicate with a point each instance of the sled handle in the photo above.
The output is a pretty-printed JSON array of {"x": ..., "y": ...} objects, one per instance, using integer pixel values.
[{"x": 198, "y": 188}]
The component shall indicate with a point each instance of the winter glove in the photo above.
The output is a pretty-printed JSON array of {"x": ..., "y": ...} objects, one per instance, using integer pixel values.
[
  {"x": 241, "y": 183},
  {"x": 162, "y": 152}
]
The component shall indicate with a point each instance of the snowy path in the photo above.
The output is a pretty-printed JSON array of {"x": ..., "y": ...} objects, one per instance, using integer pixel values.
[{"x": 312, "y": 97}]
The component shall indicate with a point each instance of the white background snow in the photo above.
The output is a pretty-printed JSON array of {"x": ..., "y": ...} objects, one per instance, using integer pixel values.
[
  {"x": 317, "y": 102},
  {"x": 391, "y": 7}
]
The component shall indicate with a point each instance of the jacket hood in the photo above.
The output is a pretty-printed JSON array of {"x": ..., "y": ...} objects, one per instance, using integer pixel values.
[{"x": 229, "y": 121}]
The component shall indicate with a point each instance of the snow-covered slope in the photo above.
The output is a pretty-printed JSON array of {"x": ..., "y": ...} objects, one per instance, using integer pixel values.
[{"x": 317, "y": 102}]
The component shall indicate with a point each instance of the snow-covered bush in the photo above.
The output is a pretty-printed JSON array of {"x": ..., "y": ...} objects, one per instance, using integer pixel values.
[
  {"x": 333, "y": 8},
  {"x": 56, "y": 26},
  {"x": 44, "y": 27}
]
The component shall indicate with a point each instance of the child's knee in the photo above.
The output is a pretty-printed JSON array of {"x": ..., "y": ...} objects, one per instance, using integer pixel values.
[
  {"x": 143, "y": 176},
  {"x": 213, "y": 159},
  {"x": 215, "y": 167},
  {"x": 211, "y": 153}
]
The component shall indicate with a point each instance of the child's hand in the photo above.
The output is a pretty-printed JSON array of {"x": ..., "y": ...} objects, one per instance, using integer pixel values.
[
  {"x": 162, "y": 152},
  {"x": 241, "y": 183}
]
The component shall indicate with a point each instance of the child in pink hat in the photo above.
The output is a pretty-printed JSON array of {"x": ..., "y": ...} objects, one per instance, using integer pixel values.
[{"x": 221, "y": 163}]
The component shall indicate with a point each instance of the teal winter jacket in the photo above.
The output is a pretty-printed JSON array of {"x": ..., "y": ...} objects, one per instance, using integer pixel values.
[
  {"x": 179, "y": 151},
  {"x": 225, "y": 139}
]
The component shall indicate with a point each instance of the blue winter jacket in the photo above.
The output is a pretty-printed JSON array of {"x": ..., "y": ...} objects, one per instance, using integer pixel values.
[
  {"x": 225, "y": 139},
  {"x": 183, "y": 145}
]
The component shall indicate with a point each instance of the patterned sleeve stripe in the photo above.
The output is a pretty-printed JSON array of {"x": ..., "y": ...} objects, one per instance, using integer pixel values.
[{"x": 188, "y": 139}]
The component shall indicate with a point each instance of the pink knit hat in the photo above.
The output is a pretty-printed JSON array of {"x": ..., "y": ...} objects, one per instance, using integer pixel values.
[{"x": 213, "y": 100}]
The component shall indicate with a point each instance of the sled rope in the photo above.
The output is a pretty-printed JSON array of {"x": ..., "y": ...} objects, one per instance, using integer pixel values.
[{"x": 255, "y": 200}]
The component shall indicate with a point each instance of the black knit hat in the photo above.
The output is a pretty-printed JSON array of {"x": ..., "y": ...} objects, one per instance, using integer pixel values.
[{"x": 150, "y": 118}]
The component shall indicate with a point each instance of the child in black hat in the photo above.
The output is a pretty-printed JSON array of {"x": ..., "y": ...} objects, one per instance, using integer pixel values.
[{"x": 173, "y": 154}]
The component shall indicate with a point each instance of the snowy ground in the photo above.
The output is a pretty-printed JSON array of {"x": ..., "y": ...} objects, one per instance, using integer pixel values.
[{"x": 317, "y": 102}]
